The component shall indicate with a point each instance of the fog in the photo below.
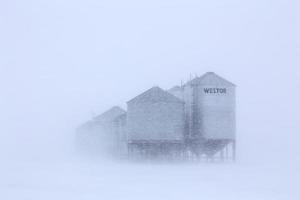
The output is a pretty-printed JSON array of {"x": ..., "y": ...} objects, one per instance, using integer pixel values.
[{"x": 61, "y": 62}]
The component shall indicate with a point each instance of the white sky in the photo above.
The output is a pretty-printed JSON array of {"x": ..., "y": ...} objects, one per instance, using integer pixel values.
[{"x": 61, "y": 60}]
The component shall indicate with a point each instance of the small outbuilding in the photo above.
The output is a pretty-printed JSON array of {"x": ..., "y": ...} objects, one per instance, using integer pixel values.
[{"x": 103, "y": 133}]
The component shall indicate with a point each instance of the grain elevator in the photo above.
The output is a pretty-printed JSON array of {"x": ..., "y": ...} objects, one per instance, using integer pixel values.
[{"x": 195, "y": 120}]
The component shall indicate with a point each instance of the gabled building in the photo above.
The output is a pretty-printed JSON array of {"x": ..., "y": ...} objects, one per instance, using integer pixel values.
[
  {"x": 177, "y": 91},
  {"x": 210, "y": 107},
  {"x": 210, "y": 114},
  {"x": 103, "y": 133},
  {"x": 155, "y": 122}
]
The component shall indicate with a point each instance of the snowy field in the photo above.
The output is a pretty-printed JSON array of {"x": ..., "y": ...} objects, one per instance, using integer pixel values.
[
  {"x": 36, "y": 180},
  {"x": 64, "y": 62}
]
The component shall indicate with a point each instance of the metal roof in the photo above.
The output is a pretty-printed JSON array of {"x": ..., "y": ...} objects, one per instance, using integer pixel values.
[
  {"x": 175, "y": 88},
  {"x": 155, "y": 94},
  {"x": 110, "y": 115},
  {"x": 210, "y": 78}
]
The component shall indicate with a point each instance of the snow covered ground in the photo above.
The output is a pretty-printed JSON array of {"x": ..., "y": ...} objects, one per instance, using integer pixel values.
[
  {"x": 61, "y": 62},
  {"x": 74, "y": 179}
]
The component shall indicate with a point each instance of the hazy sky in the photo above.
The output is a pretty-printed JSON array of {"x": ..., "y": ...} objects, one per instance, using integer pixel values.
[{"x": 62, "y": 60}]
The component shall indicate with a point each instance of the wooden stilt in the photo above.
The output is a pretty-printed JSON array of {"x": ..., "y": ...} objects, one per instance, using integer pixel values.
[
  {"x": 233, "y": 151},
  {"x": 222, "y": 155},
  {"x": 226, "y": 152}
]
